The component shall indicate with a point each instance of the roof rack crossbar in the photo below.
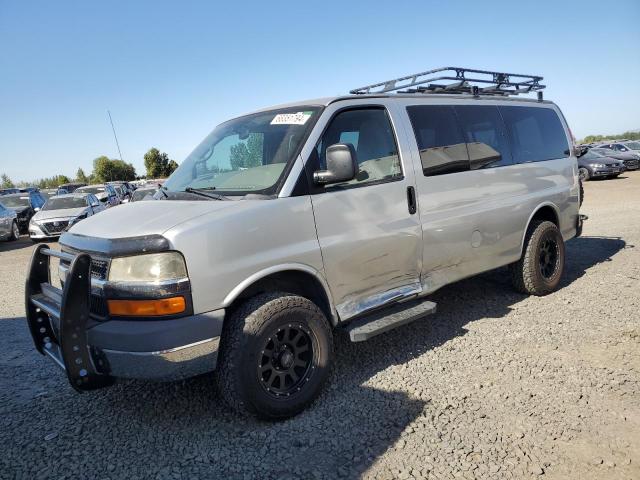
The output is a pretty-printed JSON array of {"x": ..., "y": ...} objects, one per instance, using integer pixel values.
[{"x": 495, "y": 83}]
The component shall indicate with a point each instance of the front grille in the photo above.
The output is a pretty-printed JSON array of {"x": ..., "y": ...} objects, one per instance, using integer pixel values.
[
  {"x": 99, "y": 268},
  {"x": 55, "y": 227}
]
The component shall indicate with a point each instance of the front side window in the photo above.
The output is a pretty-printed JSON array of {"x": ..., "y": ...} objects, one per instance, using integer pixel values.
[
  {"x": 370, "y": 132},
  {"x": 440, "y": 141},
  {"x": 536, "y": 134},
  {"x": 486, "y": 136},
  {"x": 246, "y": 155}
]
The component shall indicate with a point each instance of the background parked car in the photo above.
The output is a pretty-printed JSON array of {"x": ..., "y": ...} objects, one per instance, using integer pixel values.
[
  {"x": 127, "y": 188},
  {"x": 7, "y": 191},
  {"x": 8, "y": 224},
  {"x": 619, "y": 147},
  {"x": 143, "y": 193},
  {"x": 633, "y": 145},
  {"x": 123, "y": 195},
  {"x": 595, "y": 165},
  {"x": 630, "y": 160},
  {"x": 105, "y": 193},
  {"x": 61, "y": 212},
  {"x": 71, "y": 187},
  {"x": 25, "y": 205}
]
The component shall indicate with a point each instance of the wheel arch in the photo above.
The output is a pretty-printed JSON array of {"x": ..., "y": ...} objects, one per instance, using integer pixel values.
[
  {"x": 294, "y": 278},
  {"x": 544, "y": 211}
]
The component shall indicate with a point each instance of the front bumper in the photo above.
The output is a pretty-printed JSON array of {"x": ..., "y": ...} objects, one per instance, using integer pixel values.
[
  {"x": 94, "y": 353},
  {"x": 606, "y": 171}
]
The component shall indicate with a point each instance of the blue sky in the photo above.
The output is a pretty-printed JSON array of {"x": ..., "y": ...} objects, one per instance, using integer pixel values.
[{"x": 170, "y": 71}]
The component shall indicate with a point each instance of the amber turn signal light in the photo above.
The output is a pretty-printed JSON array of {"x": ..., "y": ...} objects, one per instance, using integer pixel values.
[{"x": 147, "y": 308}]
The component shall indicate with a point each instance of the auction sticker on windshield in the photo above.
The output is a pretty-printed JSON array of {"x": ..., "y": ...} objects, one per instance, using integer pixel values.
[{"x": 299, "y": 118}]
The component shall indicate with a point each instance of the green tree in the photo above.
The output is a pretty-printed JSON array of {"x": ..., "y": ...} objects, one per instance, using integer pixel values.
[
  {"x": 247, "y": 155},
  {"x": 108, "y": 170},
  {"x": 81, "y": 176},
  {"x": 5, "y": 181},
  {"x": 158, "y": 164}
]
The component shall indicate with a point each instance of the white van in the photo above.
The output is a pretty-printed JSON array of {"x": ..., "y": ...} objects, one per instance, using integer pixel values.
[{"x": 287, "y": 223}]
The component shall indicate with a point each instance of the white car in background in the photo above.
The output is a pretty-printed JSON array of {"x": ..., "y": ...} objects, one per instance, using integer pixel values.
[
  {"x": 105, "y": 193},
  {"x": 62, "y": 211}
]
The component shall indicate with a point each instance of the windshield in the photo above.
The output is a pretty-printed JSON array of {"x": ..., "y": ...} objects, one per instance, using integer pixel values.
[
  {"x": 60, "y": 203},
  {"x": 15, "y": 201},
  {"x": 247, "y": 154},
  {"x": 592, "y": 155},
  {"x": 93, "y": 190},
  {"x": 633, "y": 145}
]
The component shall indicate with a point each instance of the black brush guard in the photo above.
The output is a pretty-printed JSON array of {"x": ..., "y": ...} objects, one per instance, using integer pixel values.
[{"x": 58, "y": 318}]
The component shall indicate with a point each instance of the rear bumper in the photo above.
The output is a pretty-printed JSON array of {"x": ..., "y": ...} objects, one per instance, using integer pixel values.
[{"x": 94, "y": 353}]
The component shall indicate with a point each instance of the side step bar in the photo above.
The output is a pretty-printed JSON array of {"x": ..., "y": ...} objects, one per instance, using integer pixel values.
[{"x": 381, "y": 321}]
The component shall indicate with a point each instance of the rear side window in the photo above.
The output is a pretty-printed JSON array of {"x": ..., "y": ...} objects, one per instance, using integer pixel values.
[
  {"x": 440, "y": 140},
  {"x": 486, "y": 136},
  {"x": 536, "y": 134}
]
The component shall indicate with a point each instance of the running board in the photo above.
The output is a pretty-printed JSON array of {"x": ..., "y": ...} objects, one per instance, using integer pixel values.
[{"x": 381, "y": 321}]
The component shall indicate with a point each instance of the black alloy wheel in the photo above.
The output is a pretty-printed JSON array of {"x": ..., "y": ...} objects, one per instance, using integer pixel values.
[
  {"x": 549, "y": 257},
  {"x": 286, "y": 361}
]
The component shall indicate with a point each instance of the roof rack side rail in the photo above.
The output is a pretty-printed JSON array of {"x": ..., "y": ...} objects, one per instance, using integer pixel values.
[{"x": 460, "y": 81}]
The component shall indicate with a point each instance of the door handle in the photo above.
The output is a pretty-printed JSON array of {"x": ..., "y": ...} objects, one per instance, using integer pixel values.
[{"x": 411, "y": 200}]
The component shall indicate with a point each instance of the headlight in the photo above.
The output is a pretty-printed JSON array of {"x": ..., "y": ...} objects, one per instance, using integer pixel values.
[
  {"x": 154, "y": 267},
  {"x": 73, "y": 221},
  {"x": 598, "y": 165}
]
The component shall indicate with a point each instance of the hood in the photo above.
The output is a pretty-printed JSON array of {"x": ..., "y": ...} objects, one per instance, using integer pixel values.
[
  {"x": 63, "y": 213},
  {"x": 147, "y": 218}
]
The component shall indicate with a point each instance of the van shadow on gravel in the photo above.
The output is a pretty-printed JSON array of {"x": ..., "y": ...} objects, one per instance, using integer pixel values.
[{"x": 148, "y": 430}]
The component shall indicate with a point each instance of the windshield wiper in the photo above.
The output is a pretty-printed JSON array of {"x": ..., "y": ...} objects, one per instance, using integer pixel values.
[{"x": 205, "y": 192}]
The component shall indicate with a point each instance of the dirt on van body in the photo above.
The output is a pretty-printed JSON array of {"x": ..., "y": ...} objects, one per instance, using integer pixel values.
[{"x": 495, "y": 385}]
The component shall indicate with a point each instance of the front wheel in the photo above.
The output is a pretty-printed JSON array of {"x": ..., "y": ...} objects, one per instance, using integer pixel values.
[
  {"x": 275, "y": 354},
  {"x": 539, "y": 270},
  {"x": 15, "y": 231}
]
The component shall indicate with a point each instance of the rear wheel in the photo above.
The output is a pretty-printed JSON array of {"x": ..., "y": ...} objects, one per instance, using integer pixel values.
[
  {"x": 275, "y": 355},
  {"x": 15, "y": 231},
  {"x": 540, "y": 269}
]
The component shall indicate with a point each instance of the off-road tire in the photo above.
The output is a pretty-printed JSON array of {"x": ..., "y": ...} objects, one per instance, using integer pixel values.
[
  {"x": 14, "y": 230},
  {"x": 581, "y": 191},
  {"x": 246, "y": 333},
  {"x": 526, "y": 273}
]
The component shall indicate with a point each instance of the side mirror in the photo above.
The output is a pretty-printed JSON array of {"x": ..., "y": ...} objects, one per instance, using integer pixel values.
[
  {"x": 579, "y": 150},
  {"x": 342, "y": 165}
]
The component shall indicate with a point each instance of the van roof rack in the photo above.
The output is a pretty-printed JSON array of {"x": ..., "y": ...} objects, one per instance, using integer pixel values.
[{"x": 459, "y": 81}]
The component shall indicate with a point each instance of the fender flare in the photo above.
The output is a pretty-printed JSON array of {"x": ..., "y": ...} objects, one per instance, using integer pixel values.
[
  {"x": 300, "y": 267},
  {"x": 553, "y": 206}
]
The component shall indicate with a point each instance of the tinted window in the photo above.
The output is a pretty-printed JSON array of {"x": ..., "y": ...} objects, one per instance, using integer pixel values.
[
  {"x": 440, "y": 140},
  {"x": 486, "y": 136},
  {"x": 536, "y": 134},
  {"x": 371, "y": 134}
]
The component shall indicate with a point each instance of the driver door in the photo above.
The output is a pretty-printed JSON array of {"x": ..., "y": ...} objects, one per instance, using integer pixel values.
[{"x": 369, "y": 233}]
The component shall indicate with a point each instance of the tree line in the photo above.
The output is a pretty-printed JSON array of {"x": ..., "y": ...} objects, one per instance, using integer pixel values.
[
  {"x": 157, "y": 165},
  {"x": 626, "y": 135}
]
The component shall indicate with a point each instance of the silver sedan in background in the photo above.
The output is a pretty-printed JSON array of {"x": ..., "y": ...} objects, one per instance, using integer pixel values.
[{"x": 62, "y": 211}]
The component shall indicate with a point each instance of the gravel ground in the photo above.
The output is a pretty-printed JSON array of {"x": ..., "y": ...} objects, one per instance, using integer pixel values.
[{"x": 495, "y": 385}]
